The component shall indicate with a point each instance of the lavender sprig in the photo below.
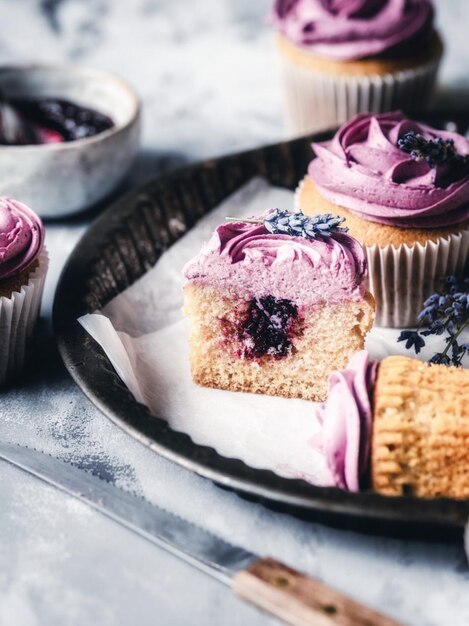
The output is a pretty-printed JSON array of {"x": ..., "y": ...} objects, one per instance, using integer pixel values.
[
  {"x": 445, "y": 312},
  {"x": 297, "y": 224},
  {"x": 433, "y": 151}
]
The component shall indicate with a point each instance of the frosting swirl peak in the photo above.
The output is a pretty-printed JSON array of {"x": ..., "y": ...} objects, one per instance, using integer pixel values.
[
  {"x": 346, "y": 420},
  {"x": 21, "y": 237},
  {"x": 363, "y": 169},
  {"x": 248, "y": 258},
  {"x": 352, "y": 29}
]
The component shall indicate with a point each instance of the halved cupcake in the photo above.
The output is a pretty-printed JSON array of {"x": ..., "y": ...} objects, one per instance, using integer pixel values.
[
  {"x": 275, "y": 304},
  {"x": 342, "y": 58},
  {"x": 403, "y": 188},
  {"x": 23, "y": 267},
  {"x": 400, "y": 426}
]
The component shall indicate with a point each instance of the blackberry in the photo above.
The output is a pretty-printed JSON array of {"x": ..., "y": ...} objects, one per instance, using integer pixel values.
[
  {"x": 70, "y": 120},
  {"x": 267, "y": 327}
]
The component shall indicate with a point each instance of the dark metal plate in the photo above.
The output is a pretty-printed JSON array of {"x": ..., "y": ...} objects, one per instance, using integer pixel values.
[{"x": 120, "y": 246}]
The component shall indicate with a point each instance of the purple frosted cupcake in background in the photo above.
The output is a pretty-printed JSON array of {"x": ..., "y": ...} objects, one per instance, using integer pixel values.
[
  {"x": 403, "y": 189},
  {"x": 23, "y": 268},
  {"x": 343, "y": 57}
]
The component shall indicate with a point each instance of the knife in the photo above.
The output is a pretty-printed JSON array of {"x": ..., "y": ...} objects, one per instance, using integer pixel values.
[{"x": 282, "y": 591}]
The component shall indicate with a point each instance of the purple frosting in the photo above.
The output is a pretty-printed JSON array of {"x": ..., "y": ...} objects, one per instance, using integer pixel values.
[
  {"x": 346, "y": 419},
  {"x": 21, "y": 237},
  {"x": 363, "y": 170},
  {"x": 353, "y": 29},
  {"x": 247, "y": 258}
]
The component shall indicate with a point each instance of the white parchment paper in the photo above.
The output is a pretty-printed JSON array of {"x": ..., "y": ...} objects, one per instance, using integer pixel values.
[{"x": 146, "y": 339}]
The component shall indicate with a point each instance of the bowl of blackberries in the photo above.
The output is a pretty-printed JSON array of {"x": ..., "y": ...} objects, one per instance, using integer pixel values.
[{"x": 68, "y": 136}]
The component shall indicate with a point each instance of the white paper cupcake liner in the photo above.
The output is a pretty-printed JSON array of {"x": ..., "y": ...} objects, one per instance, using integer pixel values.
[
  {"x": 18, "y": 316},
  {"x": 402, "y": 278},
  {"x": 317, "y": 101}
]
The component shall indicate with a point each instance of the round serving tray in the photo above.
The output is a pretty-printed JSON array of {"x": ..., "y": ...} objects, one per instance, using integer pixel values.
[{"x": 120, "y": 246}]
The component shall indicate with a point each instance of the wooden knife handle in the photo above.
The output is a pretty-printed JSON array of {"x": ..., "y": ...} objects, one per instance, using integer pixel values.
[{"x": 299, "y": 600}]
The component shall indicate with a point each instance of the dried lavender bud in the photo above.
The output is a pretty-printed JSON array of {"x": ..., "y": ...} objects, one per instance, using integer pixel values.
[
  {"x": 433, "y": 151},
  {"x": 439, "y": 358},
  {"x": 412, "y": 339},
  {"x": 297, "y": 224},
  {"x": 446, "y": 313}
]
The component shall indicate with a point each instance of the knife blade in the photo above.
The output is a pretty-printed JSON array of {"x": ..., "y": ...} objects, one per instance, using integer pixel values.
[{"x": 289, "y": 595}]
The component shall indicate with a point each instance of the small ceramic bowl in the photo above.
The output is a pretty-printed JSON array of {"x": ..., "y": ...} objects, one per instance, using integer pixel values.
[{"x": 65, "y": 178}]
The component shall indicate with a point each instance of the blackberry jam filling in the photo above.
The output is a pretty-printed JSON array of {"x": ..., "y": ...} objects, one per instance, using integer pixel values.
[
  {"x": 26, "y": 121},
  {"x": 268, "y": 327}
]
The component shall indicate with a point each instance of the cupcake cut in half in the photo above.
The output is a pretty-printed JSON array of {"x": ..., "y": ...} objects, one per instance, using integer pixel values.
[
  {"x": 403, "y": 188},
  {"x": 400, "y": 426},
  {"x": 340, "y": 58},
  {"x": 23, "y": 268},
  {"x": 273, "y": 312}
]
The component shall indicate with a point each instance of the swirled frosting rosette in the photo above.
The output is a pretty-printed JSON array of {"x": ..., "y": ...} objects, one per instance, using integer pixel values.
[
  {"x": 346, "y": 422},
  {"x": 248, "y": 258},
  {"x": 23, "y": 268},
  {"x": 347, "y": 30},
  {"x": 343, "y": 57},
  {"x": 364, "y": 170},
  {"x": 21, "y": 237}
]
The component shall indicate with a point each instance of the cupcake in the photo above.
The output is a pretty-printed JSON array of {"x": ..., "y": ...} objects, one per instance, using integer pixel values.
[
  {"x": 403, "y": 188},
  {"x": 23, "y": 268},
  {"x": 340, "y": 58},
  {"x": 275, "y": 303},
  {"x": 400, "y": 426}
]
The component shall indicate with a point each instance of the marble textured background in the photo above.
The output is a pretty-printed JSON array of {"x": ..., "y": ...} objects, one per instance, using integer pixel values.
[{"x": 208, "y": 80}]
